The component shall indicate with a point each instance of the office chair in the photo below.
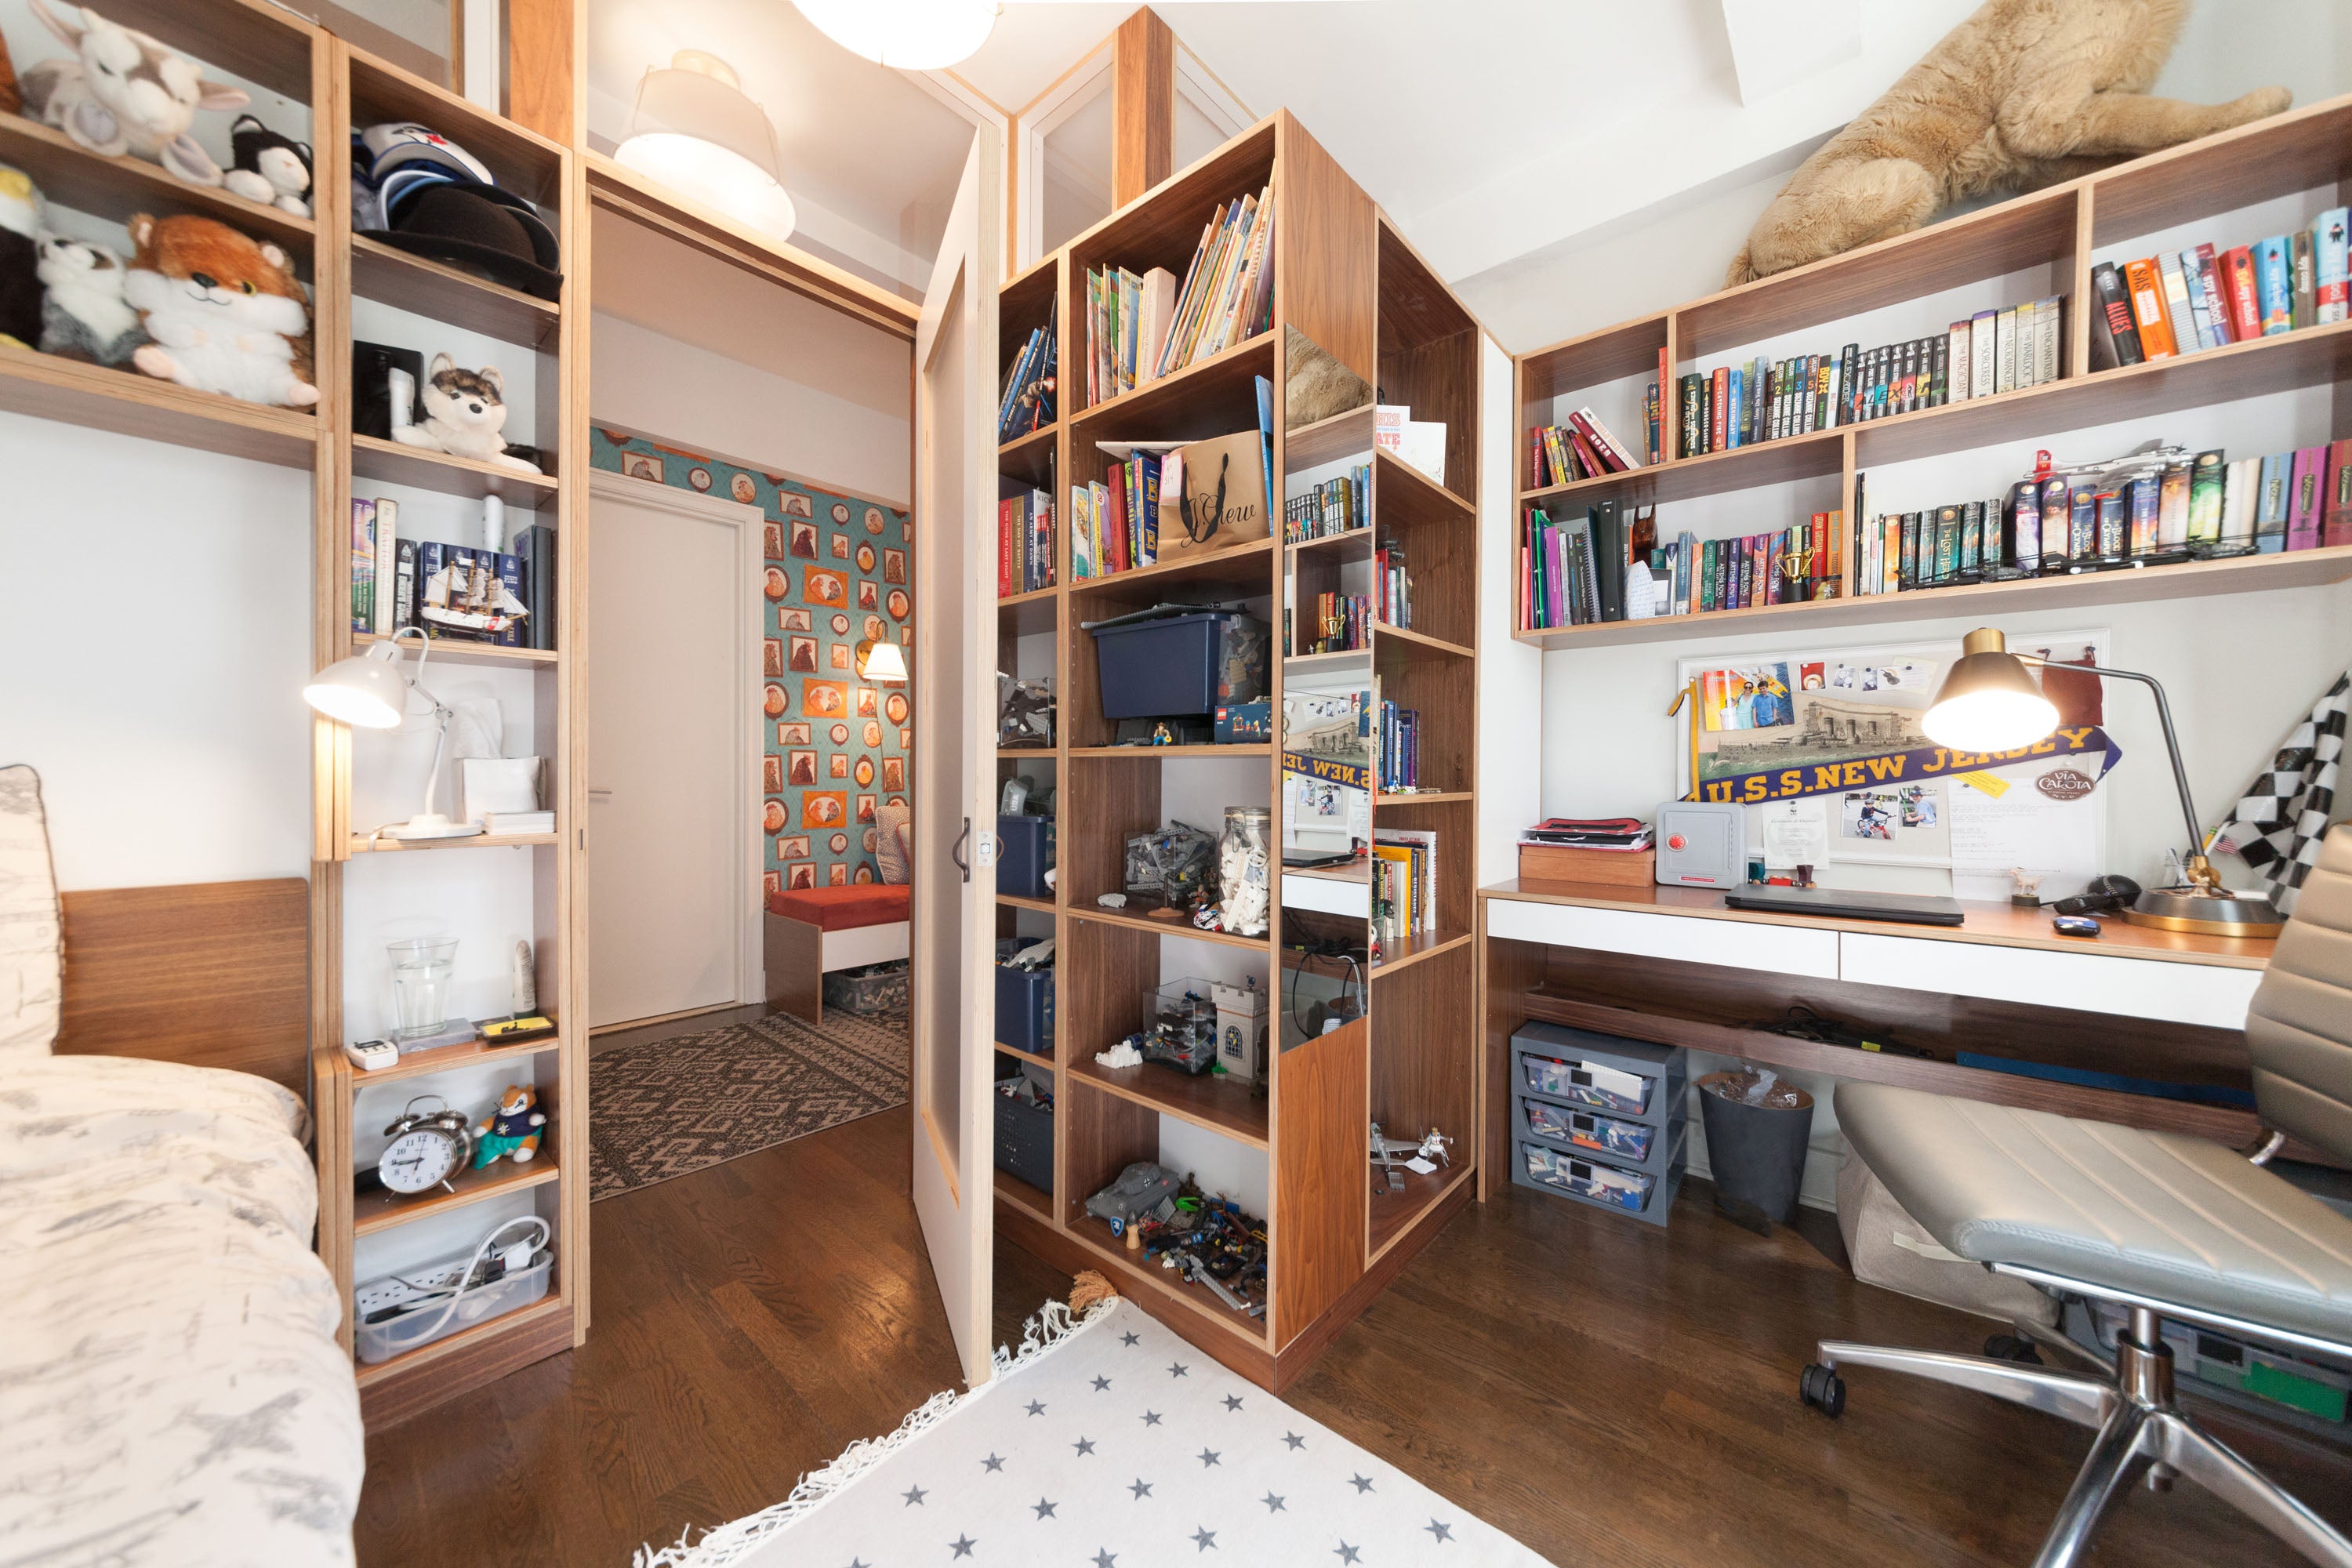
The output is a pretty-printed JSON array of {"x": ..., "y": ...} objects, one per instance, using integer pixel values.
[{"x": 2160, "y": 1224}]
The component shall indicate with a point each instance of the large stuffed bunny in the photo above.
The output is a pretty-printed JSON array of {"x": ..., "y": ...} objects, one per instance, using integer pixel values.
[
  {"x": 124, "y": 92},
  {"x": 2024, "y": 93}
]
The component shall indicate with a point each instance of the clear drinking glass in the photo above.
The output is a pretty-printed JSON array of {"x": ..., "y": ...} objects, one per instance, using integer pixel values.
[{"x": 420, "y": 985}]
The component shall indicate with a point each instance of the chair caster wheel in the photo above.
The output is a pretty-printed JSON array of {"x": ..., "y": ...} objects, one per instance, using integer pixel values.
[
  {"x": 1823, "y": 1389},
  {"x": 2009, "y": 1347}
]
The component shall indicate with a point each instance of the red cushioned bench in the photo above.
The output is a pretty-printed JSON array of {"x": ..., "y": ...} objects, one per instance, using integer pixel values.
[{"x": 813, "y": 931}]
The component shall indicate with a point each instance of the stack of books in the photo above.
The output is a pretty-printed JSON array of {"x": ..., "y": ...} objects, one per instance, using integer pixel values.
[
  {"x": 2185, "y": 301},
  {"x": 1583, "y": 448},
  {"x": 502, "y": 598},
  {"x": 1139, "y": 328},
  {"x": 1117, "y": 518},
  {"x": 1619, "y": 833},
  {"x": 1404, "y": 883},
  {"x": 1028, "y": 401},
  {"x": 1586, "y": 570},
  {"x": 1399, "y": 764},
  {"x": 1343, "y": 622},
  {"x": 1025, "y": 543},
  {"x": 1338, "y": 505},
  {"x": 1392, "y": 585}
]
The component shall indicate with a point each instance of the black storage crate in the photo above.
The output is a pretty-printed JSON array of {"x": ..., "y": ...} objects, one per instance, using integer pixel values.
[
  {"x": 1180, "y": 666},
  {"x": 1024, "y": 1134}
]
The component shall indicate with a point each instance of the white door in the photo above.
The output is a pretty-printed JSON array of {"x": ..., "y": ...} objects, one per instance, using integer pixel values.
[
  {"x": 955, "y": 871},
  {"x": 673, "y": 751}
]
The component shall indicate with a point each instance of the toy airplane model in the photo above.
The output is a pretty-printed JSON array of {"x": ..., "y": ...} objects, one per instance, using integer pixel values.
[{"x": 1392, "y": 1154}]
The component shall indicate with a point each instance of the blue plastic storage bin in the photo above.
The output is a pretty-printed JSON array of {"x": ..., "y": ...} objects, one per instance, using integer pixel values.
[
  {"x": 1024, "y": 1010},
  {"x": 1027, "y": 856},
  {"x": 1180, "y": 664}
]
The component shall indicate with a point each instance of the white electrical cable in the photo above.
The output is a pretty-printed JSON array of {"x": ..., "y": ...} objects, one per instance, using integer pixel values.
[{"x": 466, "y": 1281}]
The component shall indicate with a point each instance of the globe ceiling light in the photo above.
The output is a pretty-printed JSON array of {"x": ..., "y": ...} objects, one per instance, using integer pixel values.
[
  {"x": 910, "y": 35},
  {"x": 694, "y": 130}
]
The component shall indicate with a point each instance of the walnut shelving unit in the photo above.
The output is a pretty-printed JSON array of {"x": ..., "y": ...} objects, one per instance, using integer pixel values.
[
  {"x": 1348, "y": 280},
  {"x": 2063, "y": 231}
]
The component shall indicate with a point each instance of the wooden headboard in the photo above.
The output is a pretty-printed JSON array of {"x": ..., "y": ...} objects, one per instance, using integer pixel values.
[{"x": 214, "y": 974}]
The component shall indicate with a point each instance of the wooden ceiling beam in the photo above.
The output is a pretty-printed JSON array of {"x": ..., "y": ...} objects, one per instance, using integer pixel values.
[{"x": 1143, "y": 106}]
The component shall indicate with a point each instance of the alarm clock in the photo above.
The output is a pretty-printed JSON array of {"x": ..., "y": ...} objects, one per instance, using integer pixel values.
[{"x": 428, "y": 1148}]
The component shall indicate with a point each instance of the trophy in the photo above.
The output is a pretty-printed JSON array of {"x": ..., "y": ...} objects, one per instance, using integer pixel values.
[{"x": 1796, "y": 568}]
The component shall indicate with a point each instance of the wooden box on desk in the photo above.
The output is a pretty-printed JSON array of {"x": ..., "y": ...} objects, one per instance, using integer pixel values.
[{"x": 1608, "y": 867}]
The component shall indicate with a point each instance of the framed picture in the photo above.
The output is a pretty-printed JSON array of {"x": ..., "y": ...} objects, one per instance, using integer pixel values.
[
  {"x": 873, "y": 520},
  {"x": 698, "y": 477},
  {"x": 792, "y": 733},
  {"x": 865, "y": 808},
  {"x": 836, "y": 875},
  {"x": 894, "y": 774},
  {"x": 803, "y": 770},
  {"x": 772, "y": 774},
  {"x": 906, "y": 739},
  {"x": 841, "y": 511},
  {"x": 823, "y": 698},
  {"x": 771, "y": 881},
  {"x": 877, "y": 628},
  {"x": 803, "y": 877},
  {"x": 894, "y": 565},
  {"x": 840, "y": 625},
  {"x": 792, "y": 503},
  {"x": 804, "y": 540},
  {"x": 865, "y": 556},
  {"x": 775, "y": 583},
  {"x": 840, "y": 543},
  {"x": 841, "y": 656},
  {"x": 894, "y": 707},
  {"x": 897, "y": 604},
  {"x": 772, "y": 701},
  {"x": 741, "y": 488},
  {"x": 792, "y": 846},
  {"x": 868, "y": 596},
  {"x": 771, "y": 655},
  {"x": 866, "y": 705},
  {"x": 641, "y": 466},
  {"x": 838, "y": 843},
  {"x": 838, "y": 764},
  {"x": 824, "y": 808},
  {"x": 772, "y": 817},
  {"x": 863, "y": 875},
  {"x": 862, "y": 773},
  {"x": 840, "y": 733},
  {"x": 804, "y": 654},
  {"x": 830, "y": 588},
  {"x": 870, "y": 839},
  {"x": 772, "y": 541},
  {"x": 873, "y": 732}
]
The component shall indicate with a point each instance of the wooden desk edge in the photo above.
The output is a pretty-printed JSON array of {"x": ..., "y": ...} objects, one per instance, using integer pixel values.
[{"x": 1989, "y": 925}]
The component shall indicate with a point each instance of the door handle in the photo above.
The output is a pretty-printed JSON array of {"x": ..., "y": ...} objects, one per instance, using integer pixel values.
[
  {"x": 596, "y": 793},
  {"x": 955, "y": 851}
]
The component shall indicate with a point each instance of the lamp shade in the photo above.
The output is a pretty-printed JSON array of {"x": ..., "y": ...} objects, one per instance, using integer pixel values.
[
  {"x": 880, "y": 661},
  {"x": 1987, "y": 702},
  {"x": 367, "y": 690},
  {"x": 695, "y": 131},
  {"x": 910, "y": 35}
]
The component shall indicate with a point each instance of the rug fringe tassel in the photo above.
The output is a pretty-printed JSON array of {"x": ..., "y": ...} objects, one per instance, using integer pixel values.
[{"x": 1052, "y": 1327}]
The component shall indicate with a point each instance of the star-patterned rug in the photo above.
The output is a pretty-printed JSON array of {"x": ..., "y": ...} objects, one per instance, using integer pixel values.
[
  {"x": 1109, "y": 1443},
  {"x": 667, "y": 1108}
]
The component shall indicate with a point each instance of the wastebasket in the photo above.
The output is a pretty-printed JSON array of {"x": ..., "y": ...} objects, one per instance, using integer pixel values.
[{"x": 1757, "y": 1129}]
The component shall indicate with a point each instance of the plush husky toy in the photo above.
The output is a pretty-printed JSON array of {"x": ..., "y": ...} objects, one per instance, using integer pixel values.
[
  {"x": 225, "y": 312},
  {"x": 83, "y": 312},
  {"x": 125, "y": 92},
  {"x": 465, "y": 410}
]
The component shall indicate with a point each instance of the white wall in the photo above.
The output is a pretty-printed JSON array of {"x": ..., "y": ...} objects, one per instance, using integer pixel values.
[{"x": 155, "y": 627}]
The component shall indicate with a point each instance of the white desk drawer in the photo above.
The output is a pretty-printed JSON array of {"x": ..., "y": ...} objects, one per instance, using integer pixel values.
[
  {"x": 1734, "y": 945},
  {"x": 2089, "y": 982}
]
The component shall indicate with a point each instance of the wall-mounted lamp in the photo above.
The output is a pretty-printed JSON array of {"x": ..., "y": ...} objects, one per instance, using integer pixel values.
[
  {"x": 695, "y": 131},
  {"x": 369, "y": 691},
  {"x": 880, "y": 662},
  {"x": 910, "y": 35}
]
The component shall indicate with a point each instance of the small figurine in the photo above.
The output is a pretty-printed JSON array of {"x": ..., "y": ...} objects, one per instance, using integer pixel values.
[
  {"x": 1161, "y": 735},
  {"x": 511, "y": 1129}
]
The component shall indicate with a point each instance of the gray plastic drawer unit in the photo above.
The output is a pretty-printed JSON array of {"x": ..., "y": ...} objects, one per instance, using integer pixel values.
[{"x": 1599, "y": 1120}]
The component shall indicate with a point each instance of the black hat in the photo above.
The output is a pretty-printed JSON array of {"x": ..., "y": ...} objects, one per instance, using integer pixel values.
[{"x": 494, "y": 232}]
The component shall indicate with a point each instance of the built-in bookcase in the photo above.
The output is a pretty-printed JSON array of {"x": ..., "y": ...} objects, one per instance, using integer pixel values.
[
  {"x": 2033, "y": 246},
  {"x": 1297, "y": 1151}
]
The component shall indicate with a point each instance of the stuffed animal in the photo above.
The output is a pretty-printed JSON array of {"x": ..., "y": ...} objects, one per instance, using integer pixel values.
[
  {"x": 464, "y": 412},
  {"x": 225, "y": 312},
  {"x": 272, "y": 169},
  {"x": 2024, "y": 93},
  {"x": 21, "y": 208},
  {"x": 512, "y": 1130},
  {"x": 125, "y": 92},
  {"x": 83, "y": 312}
]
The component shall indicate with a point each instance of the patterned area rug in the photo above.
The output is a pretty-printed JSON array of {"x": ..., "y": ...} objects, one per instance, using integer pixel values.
[
  {"x": 1109, "y": 1444},
  {"x": 667, "y": 1108}
]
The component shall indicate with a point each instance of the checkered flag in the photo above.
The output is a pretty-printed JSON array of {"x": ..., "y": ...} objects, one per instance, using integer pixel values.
[{"x": 2279, "y": 824}]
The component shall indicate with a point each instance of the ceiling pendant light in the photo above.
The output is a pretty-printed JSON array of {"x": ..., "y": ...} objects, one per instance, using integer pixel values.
[
  {"x": 911, "y": 35},
  {"x": 694, "y": 130}
]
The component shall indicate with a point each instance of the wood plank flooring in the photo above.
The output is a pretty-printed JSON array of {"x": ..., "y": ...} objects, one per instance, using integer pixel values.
[{"x": 1605, "y": 1392}]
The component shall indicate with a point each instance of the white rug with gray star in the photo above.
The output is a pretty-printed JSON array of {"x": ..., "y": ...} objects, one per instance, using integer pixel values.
[{"x": 1108, "y": 1444}]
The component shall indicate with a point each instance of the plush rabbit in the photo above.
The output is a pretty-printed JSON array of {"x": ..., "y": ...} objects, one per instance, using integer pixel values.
[{"x": 125, "y": 92}]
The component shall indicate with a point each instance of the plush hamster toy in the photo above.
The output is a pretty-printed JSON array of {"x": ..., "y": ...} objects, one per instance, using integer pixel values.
[
  {"x": 512, "y": 1130},
  {"x": 20, "y": 277},
  {"x": 465, "y": 410},
  {"x": 125, "y": 92},
  {"x": 272, "y": 169},
  {"x": 225, "y": 312},
  {"x": 83, "y": 313}
]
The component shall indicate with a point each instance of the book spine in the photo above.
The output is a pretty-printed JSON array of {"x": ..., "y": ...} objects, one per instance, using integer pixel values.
[
  {"x": 2270, "y": 503},
  {"x": 2025, "y": 527},
  {"x": 2179, "y": 308},
  {"x": 2208, "y": 479},
  {"x": 2331, "y": 266},
  {"x": 2217, "y": 300},
  {"x": 1720, "y": 410},
  {"x": 2336, "y": 515},
  {"x": 363, "y": 562},
  {"x": 404, "y": 592},
  {"x": 2144, "y": 289},
  {"x": 2048, "y": 328},
  {"x": 2307, "y": 501},
  {"x": 2142, "y": 507},
  {"x": 2114, "y": 337},
  {"x": 2301, "y": 263},
  {"x": 2173, "y": 507},
  {"x": 2274, "y": 286},
  {"x": 509, "y": 570},
  {"x": 383, "y": 551},
  {"x": 2242, "y": 293}
]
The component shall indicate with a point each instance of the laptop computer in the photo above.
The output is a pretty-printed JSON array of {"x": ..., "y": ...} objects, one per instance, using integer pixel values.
[{"x": 1844, "y": 904}]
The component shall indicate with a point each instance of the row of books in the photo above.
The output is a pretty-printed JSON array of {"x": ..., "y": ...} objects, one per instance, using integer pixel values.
[
  {"x": 1398, "y": 766},
  {"x": 1117, "y": 520},
  {"x": 1028, "y": 401},
  {"x": 1139, "y": 328},
  {"x": 1343, "y": 622},
  {"x": 1207, "y": 494},
  {"x": 1404, "y": 887},
  {"x": 1025, "y": 543},
  {"x": 2185, "y": 301},
  {"x": 504, "y": 599},
  {"x": 1338, "y": 505},
  {"x": 1995, "y": 352},
  {"x": 1583, "y": 448},
  {"x": 2168, "y": 507},
  {"x": 1586, "y": 570}
]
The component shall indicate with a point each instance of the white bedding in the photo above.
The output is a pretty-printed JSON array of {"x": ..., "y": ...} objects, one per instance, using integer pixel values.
[{"x": 170, "y": 1389}]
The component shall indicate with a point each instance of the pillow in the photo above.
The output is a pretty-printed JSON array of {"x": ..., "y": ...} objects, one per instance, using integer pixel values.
[
  {"x": 31, "y": 966},
  {"x": 893, "y": 836}
]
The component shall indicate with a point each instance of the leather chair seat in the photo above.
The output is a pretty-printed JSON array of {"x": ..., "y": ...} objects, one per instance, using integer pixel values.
[{"x": 2161, "y": 1214}]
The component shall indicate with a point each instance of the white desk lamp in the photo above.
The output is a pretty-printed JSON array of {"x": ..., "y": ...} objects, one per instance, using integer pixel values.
[{"x": 369, "y": 692}]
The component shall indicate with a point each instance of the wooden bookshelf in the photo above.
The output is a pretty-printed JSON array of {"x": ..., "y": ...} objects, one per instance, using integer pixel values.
[
  {"x": 459, "y": 299},
  {"x": 1345, "y": 279},
  {"x": 390, "y": 463},
  {"x": 2061, "y": 232},
  {"x": 44, "y": 387}
]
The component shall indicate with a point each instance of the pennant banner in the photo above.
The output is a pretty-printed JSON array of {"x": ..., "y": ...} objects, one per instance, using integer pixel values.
[{"x": 1909, "y": 767}]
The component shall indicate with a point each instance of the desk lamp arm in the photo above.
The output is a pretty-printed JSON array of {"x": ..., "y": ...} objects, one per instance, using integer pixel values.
[{"x": 2196, "y": 864}]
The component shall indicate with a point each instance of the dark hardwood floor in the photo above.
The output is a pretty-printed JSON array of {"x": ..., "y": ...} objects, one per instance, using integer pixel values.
[{"x": 1608, "y": 1394}]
